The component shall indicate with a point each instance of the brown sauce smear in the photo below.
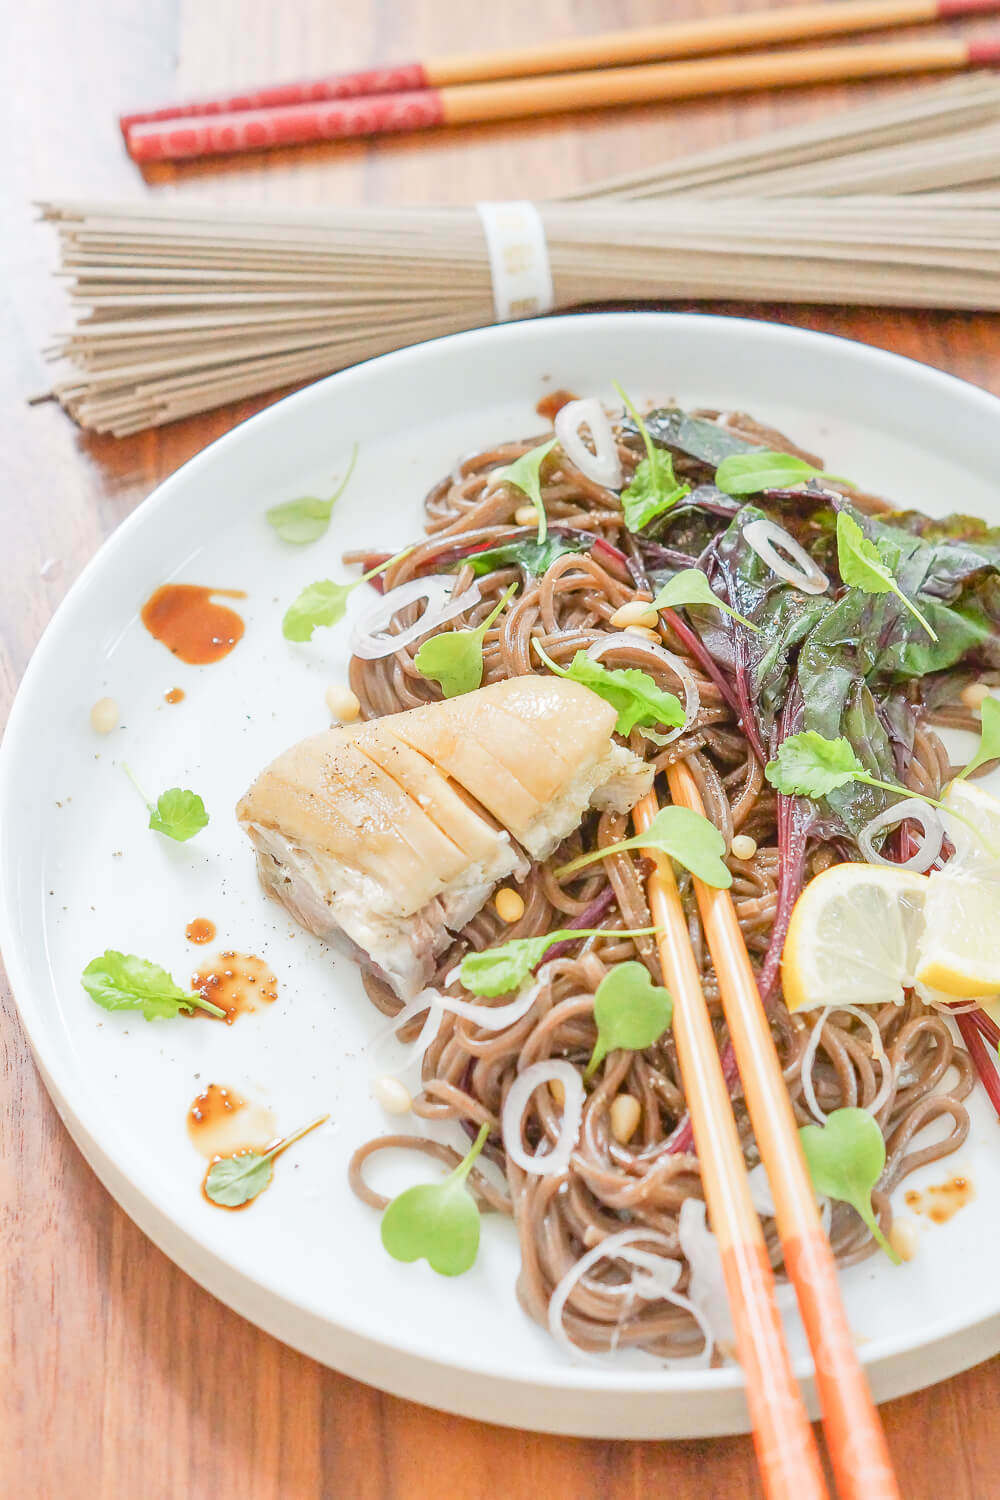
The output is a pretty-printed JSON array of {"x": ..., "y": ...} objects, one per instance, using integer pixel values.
[
  {"x": 237, "y": 982},
  {"x": 185, "y": 619},
  {"x": 174, "y": 695},
  {"x": 551, "y": 405},
  {"x": 942, "y": 1199},
  {"x": 220, "y": 1122},
  {"x": 201, "y": 930}
]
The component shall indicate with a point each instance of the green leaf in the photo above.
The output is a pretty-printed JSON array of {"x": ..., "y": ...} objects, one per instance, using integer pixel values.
[
  {"x": 232, "y": 1181},
  {"x": 688, "y": 837},
  {"x": 495, "y": 971},
  {"x": 525, "y": 475},
  {"x": 121, "y": 981},
  {"x": 749, "y": 473},
  {"x": 846, "y": 1157},
  {"x": 631, "y": 1012},
  {"x": 437, "y": 1221},
  {"x": 178, "y": 814},
  {"x": 654, "y": 488},
  {"x": 989, "y": 738},
  {"x": 306, "y": 520},
  {"x": 632, "y": 693},
  {"x": 533, "y": 556},
  {"x": 690, "y": 586},
  {"x": 454, "y": 659},
  {"x": 325, "y": 602},
  {"x": 808, "y": 765},
  {"x": 862, "y": 566}
]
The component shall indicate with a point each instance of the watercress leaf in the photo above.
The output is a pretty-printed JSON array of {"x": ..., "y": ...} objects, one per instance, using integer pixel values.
[
  {"x": 438, "y": 1222},
  {"x": 454, "y": 659},
  {"x": 809, "y": 765},
  {"x": 654, "y": 488},
  {"x": 630, "y": 1011},
  {"x": 691, "y": 586},
  {"x": 846, "y": 1157},
  {"x": 178, "y": 814},
  {"x": 631, "y": 692},
  {"x": 749, "y": 473},
  {"x": 864, "y": 565},
  {"x": 688, "y": 837},
  {"x": 525, "y": 475},
  {"x": 234, "y": 1180},
  {"x": 121, "y": 981},
  {"x": 533, "y": 556},
  {"x": 320, "y": 603},
  {"x": 507, "y": 967},
  {"x": 305, "y": 520},
  {"x": 989, "y": 738}
]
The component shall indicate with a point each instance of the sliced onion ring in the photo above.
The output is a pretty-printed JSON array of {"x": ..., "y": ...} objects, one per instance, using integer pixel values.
[
  {"x": 680, "y": 669},
  {"x": 766, "y": 537},
  {"x": 556, "y": 1161},
  {"x": 486, "y": 1017},
  {"x": 603, "y": 466},
  {"x": 930, "y": 845},
  {"x": 369, "y": 639}
]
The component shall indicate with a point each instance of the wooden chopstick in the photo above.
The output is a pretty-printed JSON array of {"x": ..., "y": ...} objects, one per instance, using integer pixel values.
[
  {"x": 786, "y": 1450},
  {"x": 475, "y": 103},
  {"x": 703, "y": 35},
  {"x": 854, "y": 1433}
]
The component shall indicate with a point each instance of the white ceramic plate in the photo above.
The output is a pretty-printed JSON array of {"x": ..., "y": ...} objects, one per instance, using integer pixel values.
[{"x": 82, "y": 873}]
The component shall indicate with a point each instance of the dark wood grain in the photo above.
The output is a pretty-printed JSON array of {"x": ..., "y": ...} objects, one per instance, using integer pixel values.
[{"x": 121, "y": 1378}]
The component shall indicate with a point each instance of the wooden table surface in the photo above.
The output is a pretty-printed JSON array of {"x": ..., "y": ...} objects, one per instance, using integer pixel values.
[{"x": 122, "y": 1378}]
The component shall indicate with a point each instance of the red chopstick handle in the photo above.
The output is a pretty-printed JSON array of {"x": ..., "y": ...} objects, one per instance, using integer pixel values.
[
  {"x": 399, "y": 79},
  {"x": 222, "y": 135}
]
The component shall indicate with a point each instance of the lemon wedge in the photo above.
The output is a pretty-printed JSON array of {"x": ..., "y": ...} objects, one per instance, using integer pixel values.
[
  {"x": 853, "y": 937},
  {"x": 959, "y": 952},
  {"x": 976, "y": 852}
]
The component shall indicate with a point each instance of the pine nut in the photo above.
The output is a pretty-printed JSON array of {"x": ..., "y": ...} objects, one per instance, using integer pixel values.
[
  {"x": 646, "y": 635},
  {"x": 744, "y": 847},
  {"x": 635, "y": 613},
  {"x": 104, "y": 716},
  {"x": 625, "y": 1116},
  {"x": 393, "y": 1096},
  {"x": 343, "y": 704},
  {"x": 975, "y": 695},
  {"x": 903, "y": 1238},
  {"x": 526, "y": 515},
  {"x": 509, "y": 905},
  {"x": 558, "y": 1090}
]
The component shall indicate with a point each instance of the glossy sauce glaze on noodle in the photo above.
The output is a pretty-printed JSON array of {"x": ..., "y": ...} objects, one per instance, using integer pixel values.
[{"x": 466, "y": 1072}]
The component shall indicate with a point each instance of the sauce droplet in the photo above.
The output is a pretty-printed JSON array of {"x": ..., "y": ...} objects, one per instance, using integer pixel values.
[
  {"x": 221, "y": 1122},
  {"x": 201, "y": 930},
  {"x": 942, "y": 1199},
  {"x": 272, "y": 1150},
  {"x": 185, "y": 619},
  {"x": 551, "y": 405},
  {"x": 174, "y": 695},
  {"x": 238, "y": 982}
]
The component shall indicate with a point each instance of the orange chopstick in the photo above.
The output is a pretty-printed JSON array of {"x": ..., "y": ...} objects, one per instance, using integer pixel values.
[
  {"x": 854, "y": 1433},
  {"x": 474, "y": 103},
  {"x": 786, "y": 1449},
  {"x": 689, "y": 38}
]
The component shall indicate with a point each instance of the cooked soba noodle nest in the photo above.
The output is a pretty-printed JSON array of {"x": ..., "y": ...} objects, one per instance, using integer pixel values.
[{"x": 911, "y": 1076}]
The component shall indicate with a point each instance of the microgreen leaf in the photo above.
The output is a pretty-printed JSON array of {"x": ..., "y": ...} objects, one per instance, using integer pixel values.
[
  {"x": 749, "y": 473},
  {"x": 438, "y": 1221},
  {"x": 989, "y": 738},
  {"x": 120, "y": 981},
  {"x": 631, "y": 1012},
  {"x": 525, "y": 475},
  {"x": 654, "y": 488},
  {"x": 177, "y": 814},
  {"x": 688, "y": 837},
  {"x": 533, "y": 556},
  {"x": 863, "y": 567},
  {"x": 632, "y": 693},
  {"x": 454, "y": 659},
  {"x": 509, "y": 965},
  {"x": 325, "y": 602},
  {"x": 305, "y": 520},
  {"x": 690, "y": 586},
  {"x": 233, "y": 1181},
  {"x": 846, "y": 1157}
]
